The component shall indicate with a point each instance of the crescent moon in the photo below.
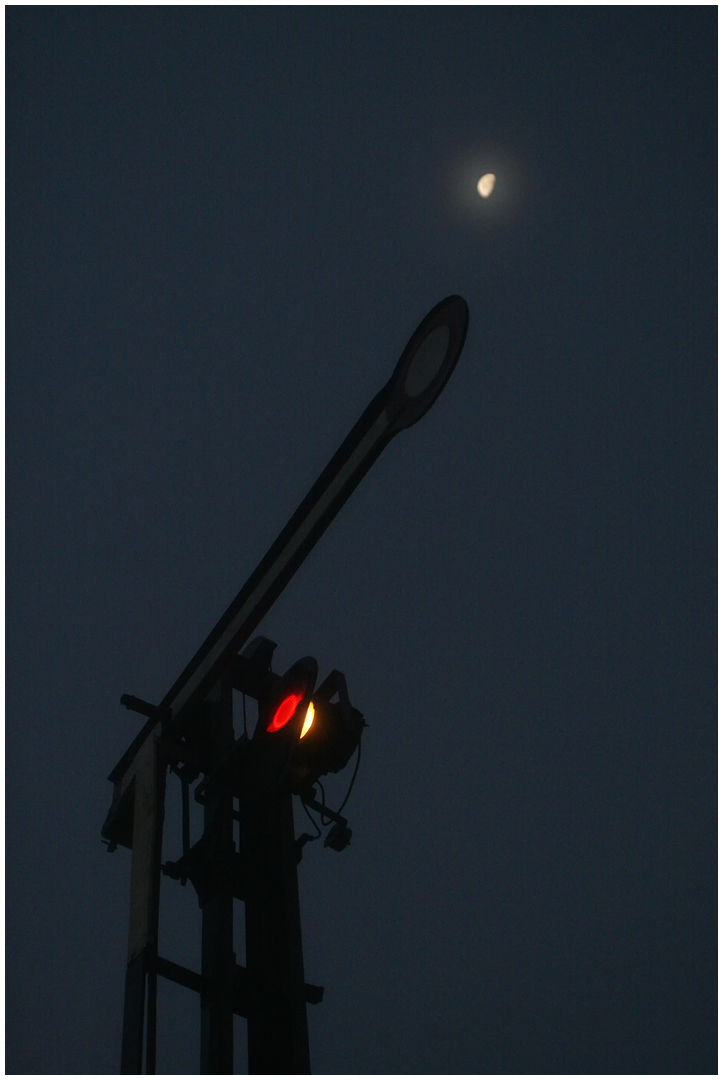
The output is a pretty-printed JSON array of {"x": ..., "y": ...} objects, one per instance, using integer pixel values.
[{"x": 486, "y": 184}]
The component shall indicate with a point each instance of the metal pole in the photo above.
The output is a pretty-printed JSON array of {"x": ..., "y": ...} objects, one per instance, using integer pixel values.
[
  {"x": 278, "y": 1038},
  {"x": 217, "y": 956},
  {"x": 148, "y": 806}
]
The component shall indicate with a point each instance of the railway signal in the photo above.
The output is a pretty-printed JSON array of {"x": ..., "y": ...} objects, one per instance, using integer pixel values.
[{"x": 303, "y": 733}]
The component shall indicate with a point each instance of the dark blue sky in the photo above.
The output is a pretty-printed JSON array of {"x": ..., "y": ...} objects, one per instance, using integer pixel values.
[{"x": 222, "y": 225}]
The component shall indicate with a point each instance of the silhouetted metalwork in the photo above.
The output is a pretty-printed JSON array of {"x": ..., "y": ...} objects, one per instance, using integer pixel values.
[{"x": 302, "y": 733}]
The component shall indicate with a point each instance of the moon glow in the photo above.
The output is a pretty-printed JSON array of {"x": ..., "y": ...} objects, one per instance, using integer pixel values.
[{"x": 486, "y": 184}]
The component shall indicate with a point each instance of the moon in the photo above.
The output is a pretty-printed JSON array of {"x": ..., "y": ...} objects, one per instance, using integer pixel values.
[{"x": 486, "y": 184}]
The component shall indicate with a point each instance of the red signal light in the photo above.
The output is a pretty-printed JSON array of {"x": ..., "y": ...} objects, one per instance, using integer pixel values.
[{"x": 284, "y": 712}]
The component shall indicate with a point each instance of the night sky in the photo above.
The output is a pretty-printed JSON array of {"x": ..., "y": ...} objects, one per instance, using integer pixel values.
[{"x": 222, "y": 226}]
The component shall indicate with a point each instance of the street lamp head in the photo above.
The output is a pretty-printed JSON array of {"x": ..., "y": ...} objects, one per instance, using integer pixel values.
[{"x": 427, "y": 362}]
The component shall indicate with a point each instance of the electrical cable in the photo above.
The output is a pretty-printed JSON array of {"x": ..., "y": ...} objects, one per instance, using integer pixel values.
[
  {"x": 322, "y": 814},
  {"x": 351, "y": 785},
  {"x": 308, "y": 814}
]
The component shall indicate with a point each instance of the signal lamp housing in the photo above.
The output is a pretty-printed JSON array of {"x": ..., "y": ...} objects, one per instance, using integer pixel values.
[
  {"x": 330, "y": 737},
  {"x": 303, "y": 733},
  {"x": 283, "y": 709}
]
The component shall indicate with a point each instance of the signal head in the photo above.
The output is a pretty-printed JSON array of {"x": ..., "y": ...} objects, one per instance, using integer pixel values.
[
  {"x": 285, "y": 709},
  {"x": 330, "y": 735}
]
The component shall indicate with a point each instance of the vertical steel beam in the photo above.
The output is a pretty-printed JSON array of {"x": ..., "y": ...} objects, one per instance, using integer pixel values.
[
  {"x": 148, "y": 808},
  {"x": 217, "y": 956},
  {"x": 133, "y": 1004},
  {"x": 278, "y": 1038}
]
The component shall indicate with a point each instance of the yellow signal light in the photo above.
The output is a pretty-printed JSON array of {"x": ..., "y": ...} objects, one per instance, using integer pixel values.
[{"x": 308, "y": 720}]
